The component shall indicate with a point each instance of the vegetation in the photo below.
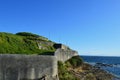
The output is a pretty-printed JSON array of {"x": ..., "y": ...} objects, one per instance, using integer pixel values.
[
  {"x": 63, "y": 68},
  {"x": 74, "y": 62},
  {"x": 27, "y": 34},
  {"x": 64, "y": 73},
  {"x": 23, "y": 43},
  {"x": 32, "y": 36},
  {"x": 76, "y": 69}
]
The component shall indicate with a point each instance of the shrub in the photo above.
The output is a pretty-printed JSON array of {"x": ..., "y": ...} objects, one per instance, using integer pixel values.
[
  {"x": 27, "y": 34},
  {"x": 63, "y": 72},
  {"x": 75, "y": 61}
]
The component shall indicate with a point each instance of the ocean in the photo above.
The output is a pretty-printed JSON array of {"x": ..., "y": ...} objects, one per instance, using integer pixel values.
[{"x": 110, "y": 64}]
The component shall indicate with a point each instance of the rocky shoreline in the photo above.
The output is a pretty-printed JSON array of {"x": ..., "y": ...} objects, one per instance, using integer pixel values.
[
  {"x": 100, "y": 65},
  {"x": 89, "y": 72},
  {"x": 76, "y": 69}
]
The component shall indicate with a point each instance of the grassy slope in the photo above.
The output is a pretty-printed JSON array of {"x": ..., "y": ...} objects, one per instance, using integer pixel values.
[{"x": 25, "y": 43}]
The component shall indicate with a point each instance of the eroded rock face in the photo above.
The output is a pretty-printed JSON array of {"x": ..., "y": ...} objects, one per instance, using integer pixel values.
[{"x": 26, "y": 67}]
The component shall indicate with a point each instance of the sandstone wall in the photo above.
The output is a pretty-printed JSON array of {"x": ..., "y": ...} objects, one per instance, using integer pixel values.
[{"x": 27, "y": 67}]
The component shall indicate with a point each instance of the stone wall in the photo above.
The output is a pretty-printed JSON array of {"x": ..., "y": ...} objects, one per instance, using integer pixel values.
[
  {"x": 63, "y": 55},
  {"x": 27, "y": 67},
  {"x": 32, "y": 67}
]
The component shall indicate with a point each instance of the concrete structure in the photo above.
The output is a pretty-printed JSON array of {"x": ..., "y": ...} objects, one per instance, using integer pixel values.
[
  {"x": 28, "y": 67},
  {"x": 63, "y": 55},
  {"x": 33, "y": 67},
  {"x": 61, "y": 46}
]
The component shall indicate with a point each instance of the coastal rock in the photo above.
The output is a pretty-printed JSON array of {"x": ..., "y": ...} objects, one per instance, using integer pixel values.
[
  {"x": 89, "y": 72},
  {"x": 103, "y": 65}
]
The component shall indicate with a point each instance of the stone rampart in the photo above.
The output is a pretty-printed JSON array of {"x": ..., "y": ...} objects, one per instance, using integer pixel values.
[
  {"x": 28, "y": 67},
  {"x": 32, "y": 67},
  {"x": 63, "y": 55}
]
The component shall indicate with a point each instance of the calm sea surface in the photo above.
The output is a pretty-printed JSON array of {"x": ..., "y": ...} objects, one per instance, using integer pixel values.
[{"x": 113, "y": 61}]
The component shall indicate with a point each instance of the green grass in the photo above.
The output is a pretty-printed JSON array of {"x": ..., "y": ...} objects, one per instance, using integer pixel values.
[{"x": 22, "y": 44}]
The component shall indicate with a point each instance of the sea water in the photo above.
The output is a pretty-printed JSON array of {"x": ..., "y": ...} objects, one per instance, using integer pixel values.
[{"x": 114, "y": 63}]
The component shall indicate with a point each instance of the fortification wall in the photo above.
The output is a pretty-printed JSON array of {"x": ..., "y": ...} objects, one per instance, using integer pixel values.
[
  {"x": 27, "y": 67},
  {"x": 32, "y": 67},
  {"x": 63, "y": 55}
]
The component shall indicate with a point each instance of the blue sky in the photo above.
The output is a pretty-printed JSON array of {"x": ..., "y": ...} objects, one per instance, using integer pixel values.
[{"x": 92, "y": 27}]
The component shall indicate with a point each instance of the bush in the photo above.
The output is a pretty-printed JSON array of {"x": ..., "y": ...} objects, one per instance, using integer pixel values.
[
  {"x": 63, "y": 72},
  {"x": 27, "y": 34},
  {"x": 75, "y": 61},
  {"x": 32, "y": 36}
]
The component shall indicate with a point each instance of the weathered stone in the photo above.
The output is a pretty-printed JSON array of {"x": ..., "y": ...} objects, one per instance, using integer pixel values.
[
  {"x": 63, "y": 55},
  {"x": 32, "y": 67},
  {"x": 27, "y": 67}
]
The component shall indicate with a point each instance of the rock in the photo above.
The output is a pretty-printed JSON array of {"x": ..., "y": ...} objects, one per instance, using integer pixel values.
[
  {"x": 90, "y": 72},
  {"x": 103, "y": 65}
]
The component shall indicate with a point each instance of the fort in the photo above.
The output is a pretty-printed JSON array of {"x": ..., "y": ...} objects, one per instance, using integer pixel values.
[{"x": 33, "y": 67}]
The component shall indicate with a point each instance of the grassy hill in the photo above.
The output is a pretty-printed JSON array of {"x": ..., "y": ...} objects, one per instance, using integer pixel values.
[{"x": 24, "y": 43}]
